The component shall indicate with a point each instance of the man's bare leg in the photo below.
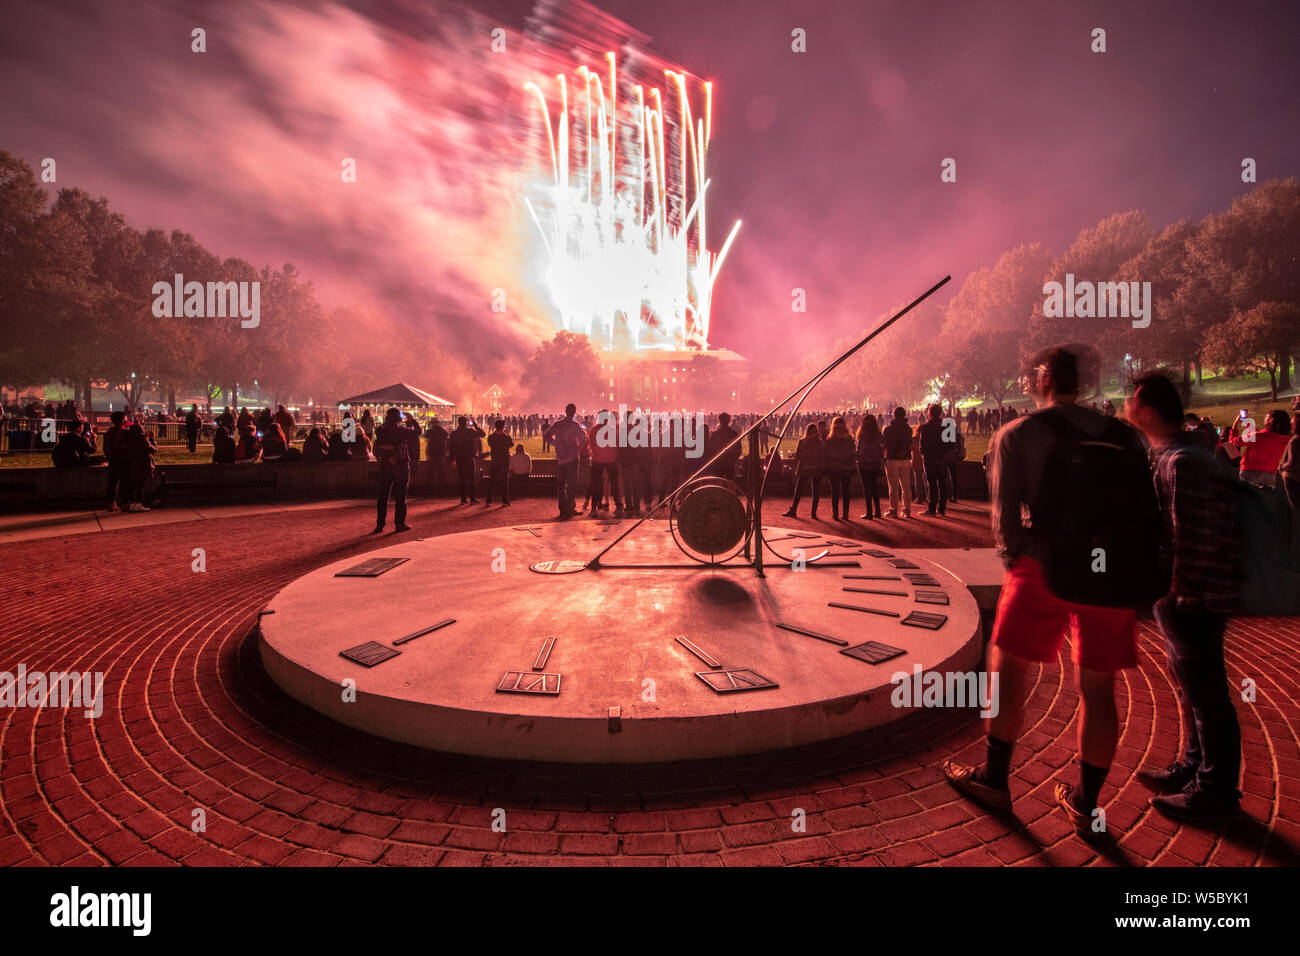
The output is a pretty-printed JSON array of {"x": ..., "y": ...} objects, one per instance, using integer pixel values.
[
  {"x": 989, "y": 783},
  {"x": 1098, "y": 738}
]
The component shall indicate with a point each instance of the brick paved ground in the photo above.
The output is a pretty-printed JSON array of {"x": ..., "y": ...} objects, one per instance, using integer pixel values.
[{"x": 191, "y": 721}]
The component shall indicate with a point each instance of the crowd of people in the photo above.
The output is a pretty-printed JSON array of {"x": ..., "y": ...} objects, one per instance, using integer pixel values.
[
  {"x": 910, "y": 459},
  {"x": 918, "y": 466}
]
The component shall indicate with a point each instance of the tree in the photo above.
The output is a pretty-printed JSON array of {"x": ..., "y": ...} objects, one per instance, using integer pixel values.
[
  {"x": 988, "y": 319},
  {"x": 1250, "y": 255},
  {"x": 1180, "y": 313},
  {"x": 1095, "y": 256},
  {"x": 114, "y": 337},
  {"x": 45, "y": 278},
  {"x": 563, "y": 370},
  {"x": 1255, "y": 341},
  {"x": 280, "y": 358}
]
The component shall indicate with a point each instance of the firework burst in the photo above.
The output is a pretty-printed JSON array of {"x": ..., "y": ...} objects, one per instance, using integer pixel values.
[{"x": 623, "y": 215}]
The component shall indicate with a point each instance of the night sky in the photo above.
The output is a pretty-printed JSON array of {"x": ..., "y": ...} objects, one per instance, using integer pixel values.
[{"x": 831, "y": 157}]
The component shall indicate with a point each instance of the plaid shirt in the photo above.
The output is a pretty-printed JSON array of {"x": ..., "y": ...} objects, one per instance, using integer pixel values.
[{"x": 1200, "y": 511}]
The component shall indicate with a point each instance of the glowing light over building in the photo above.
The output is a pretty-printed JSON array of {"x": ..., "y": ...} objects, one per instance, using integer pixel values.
[{"x": 622, "y": 217}]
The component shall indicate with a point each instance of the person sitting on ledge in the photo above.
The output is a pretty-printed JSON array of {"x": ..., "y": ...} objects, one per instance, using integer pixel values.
[
  {"x": 248, "y": 448},
  {"x": 274, "y": 445},
  {"x": 75, "y": 447},
  {"x": 362, "y": 447},
  {"x": 316, "y": 446},
  {"x": 521, "y": 463},
  {"x": 223, "y": 446}
]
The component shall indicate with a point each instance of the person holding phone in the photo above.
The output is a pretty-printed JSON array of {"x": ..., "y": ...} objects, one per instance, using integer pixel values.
[{"x": 1261, "y": 450}]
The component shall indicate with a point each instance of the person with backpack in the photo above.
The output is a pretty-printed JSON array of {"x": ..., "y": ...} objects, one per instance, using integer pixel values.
[
  {"x": 393, "y": 452},
  {"x": 1200, "y": 516},
  {"x": 1083, "y": 563}
]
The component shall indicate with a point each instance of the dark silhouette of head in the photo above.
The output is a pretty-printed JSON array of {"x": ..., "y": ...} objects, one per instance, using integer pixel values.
[{"x": 1054, "y": 374}]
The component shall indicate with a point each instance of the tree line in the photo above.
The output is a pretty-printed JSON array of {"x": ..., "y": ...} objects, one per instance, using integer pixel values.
[
  {"x": 76, "y": 307},
  {"x": 1225, "y": 294}
]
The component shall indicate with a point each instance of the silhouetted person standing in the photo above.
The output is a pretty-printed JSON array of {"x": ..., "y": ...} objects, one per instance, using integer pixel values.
[
  {"x": 839, "y": 452},
  {"x": 413, "y": 433},
  {"x": 118, "y": 462},
  {"x": 810, "y": 453},
  {"x": 935, "y": 452},
  {"x": 1030, "y": 459},
  {"x": 1200, "y": 517},
  {"x": 722, "y": 436},
  {"x": 463, "y": 447},
  {"x": 499, "y": 444},
  {"x": 435, "y": 450},
  {"x": 392, "y": 449},
  {"x": 871, "y": 461},
  {"x": 192, "y": 425},
  {"x": 897, "y": 437},
  {"x": 569, "y": 439}
]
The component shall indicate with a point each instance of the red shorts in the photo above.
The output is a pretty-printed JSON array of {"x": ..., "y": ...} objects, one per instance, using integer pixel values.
[{"x": 1031, "y": 621}]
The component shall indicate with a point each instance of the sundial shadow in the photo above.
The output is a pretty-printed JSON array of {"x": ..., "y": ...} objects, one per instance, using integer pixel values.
[{"x": 722, "y": 592}]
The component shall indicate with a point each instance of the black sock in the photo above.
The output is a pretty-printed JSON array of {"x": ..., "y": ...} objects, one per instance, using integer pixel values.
[
  {"x": 997, "y": 765},
  {"x": 1090, "y": 780}
]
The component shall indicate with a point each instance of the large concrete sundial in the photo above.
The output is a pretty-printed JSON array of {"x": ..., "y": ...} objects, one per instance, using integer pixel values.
[{"x": 615, "y": 664}]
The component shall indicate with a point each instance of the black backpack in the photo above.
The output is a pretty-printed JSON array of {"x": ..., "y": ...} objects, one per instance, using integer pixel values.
[
  {"x": 391, "y": 448},
  {"x": 1097, "y": 517}
]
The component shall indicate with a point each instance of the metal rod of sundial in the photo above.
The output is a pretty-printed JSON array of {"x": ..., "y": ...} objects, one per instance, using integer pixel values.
[
  {"x": 594, "y": 563},
  {"x": 756, "y": 501}
]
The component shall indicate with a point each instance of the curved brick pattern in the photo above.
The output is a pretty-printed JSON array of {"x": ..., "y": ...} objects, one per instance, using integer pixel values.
[{"x": 191, "y": 722}]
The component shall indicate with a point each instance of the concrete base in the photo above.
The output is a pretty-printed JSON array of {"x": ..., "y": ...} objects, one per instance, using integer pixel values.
[
  {"x": 980, "y": 569},
  {"x": 628, "y": 690}
]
